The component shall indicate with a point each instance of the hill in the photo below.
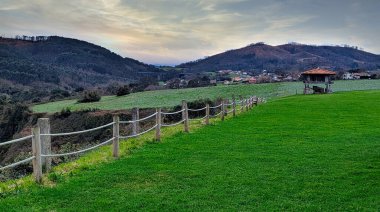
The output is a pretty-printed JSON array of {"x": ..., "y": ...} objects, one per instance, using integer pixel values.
[
  {"x": 31, "y": 66},
  {"x": 288, "y": 57},
  {"x": 290, "y": 154}
]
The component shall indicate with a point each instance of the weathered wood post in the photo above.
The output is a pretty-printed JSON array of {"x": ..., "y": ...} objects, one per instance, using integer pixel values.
[
  {"x": 241, "y": 104},
  {"x": 44, "y": 125},
  {"x": 246, "y": 105},
  {"x": 115, "y": 143},
  {"x": 207, "y": 121},
  {"x": 226, "y": 107},
  {"x": 36, "y": 149},
  {"x": 135, "y": 124},
  {"x": 233, "y": 106},
  {"x": 185, "y": 116},
  {"x": 158, "y": 124},
  {"x": 222, "y": 111}
]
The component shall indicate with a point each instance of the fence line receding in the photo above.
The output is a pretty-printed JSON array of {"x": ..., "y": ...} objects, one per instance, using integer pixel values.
[{"x": 42, "y": 151}]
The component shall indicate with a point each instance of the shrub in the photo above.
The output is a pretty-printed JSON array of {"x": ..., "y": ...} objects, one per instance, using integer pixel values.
[
  {"x": 65, "y": 112},
  {"x": 89, "y": 96},
  {"x": 4, "y": 99},
  {"x": 123, "y": 90},
  {"x": 58, "y": 94}
]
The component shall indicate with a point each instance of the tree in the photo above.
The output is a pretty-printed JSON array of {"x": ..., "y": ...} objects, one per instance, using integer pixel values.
[
  {"x": 173, "y": 83},
  {"x": 4, "y": 99},
  {"x": 123, "y": 90},
  {"x": 89, "y": 96}
]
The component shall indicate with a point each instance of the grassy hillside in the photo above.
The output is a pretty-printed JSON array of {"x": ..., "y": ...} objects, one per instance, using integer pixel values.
[
  {"x": 167, "y": 98},
  {"x": 315, "y": 152}
]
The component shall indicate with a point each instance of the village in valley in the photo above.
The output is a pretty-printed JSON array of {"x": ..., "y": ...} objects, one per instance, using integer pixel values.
[
  {"x": 232, "y": 77},
  {"x": 228, "y": 77}
]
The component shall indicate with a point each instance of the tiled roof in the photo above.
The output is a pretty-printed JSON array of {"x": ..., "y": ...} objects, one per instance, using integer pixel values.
[{"x": 319, "y": 71}]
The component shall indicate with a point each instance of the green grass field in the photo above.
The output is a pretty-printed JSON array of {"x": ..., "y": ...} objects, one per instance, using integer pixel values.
[
  {"x": 304, "y": 153},
  {"x": 169, "y": 98}
]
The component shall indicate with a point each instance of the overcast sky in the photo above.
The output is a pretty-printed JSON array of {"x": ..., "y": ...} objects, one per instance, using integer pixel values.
[{"x": 175, "y": 31}]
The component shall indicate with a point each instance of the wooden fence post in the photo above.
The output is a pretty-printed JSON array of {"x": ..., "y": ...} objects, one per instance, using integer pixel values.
[
  {"x": 241, "y": 104},
  {"x": 207, "y": 121},
  {"x": 115, "y": 143},
  {"x": 44, "y": 125},
  {"x": 135, "y": 124},
  {"x": 185, "y": 116},
  {"x": 233, "y": 106},
  {"x": 222, "y": 111},
  {"x": 226, "y": 107},
  {"x": 36, "y": 148},
  {"x": 246, "y": 105},
  {"x": 158, "y": 124}
]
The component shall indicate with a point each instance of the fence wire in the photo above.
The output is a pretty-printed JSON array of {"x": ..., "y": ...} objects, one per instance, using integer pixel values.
[
  {"x": 132, "y": 136},
  {"x": 138, "y": 120},
  {"x": 16, "y": 140},
  {"x": 79, "y": 132},
  {"x": 80, "y": 151}
]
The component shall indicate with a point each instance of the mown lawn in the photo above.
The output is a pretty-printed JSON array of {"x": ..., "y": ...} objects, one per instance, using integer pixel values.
[
  {"x": 169, "y": 98},
  {"x": 316, "y": 152}
]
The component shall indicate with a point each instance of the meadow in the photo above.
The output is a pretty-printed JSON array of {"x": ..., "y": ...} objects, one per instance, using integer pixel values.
[
  {"x": 169, "y": 98},
  {"x": 304, "y": 153}
]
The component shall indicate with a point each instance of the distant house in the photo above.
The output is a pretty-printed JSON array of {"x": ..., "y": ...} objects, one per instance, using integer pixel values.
[
  {"x": 275, "y": 78},
  {"x": 252, "y": 80},
  {"x": 348, "y": 76},
  {"x": 224, "y": 71},
  {"x": 245, "y": 80},
  {"x": 236, "y": 79},
  {"x": 361, "y": 75},
  {"x": 226, "y": 82},
  {"x": 288, "y": 78},
  {"x": 213, "y": 82}
]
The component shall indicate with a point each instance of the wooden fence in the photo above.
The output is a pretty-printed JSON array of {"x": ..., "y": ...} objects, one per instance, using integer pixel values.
[{"x": 41, "y": 135}]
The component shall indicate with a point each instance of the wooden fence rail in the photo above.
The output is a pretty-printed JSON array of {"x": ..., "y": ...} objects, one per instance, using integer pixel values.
[{"x": 41, "y": 136}]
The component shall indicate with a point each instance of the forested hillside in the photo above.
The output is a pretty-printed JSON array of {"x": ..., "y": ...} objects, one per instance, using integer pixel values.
[
  {"x": 36, "y": 67},
  {"x": 288, "y": 57}
]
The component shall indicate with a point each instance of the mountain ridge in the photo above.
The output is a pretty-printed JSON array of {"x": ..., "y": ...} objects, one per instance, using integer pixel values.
[{"x": 286, "y": 57}]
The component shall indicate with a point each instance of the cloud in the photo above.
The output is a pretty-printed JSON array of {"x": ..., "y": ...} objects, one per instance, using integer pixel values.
[{"x": 175, "y": 31}]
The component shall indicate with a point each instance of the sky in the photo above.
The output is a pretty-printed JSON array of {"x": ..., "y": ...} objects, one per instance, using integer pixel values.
[{"x": 170, "y": 32}]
